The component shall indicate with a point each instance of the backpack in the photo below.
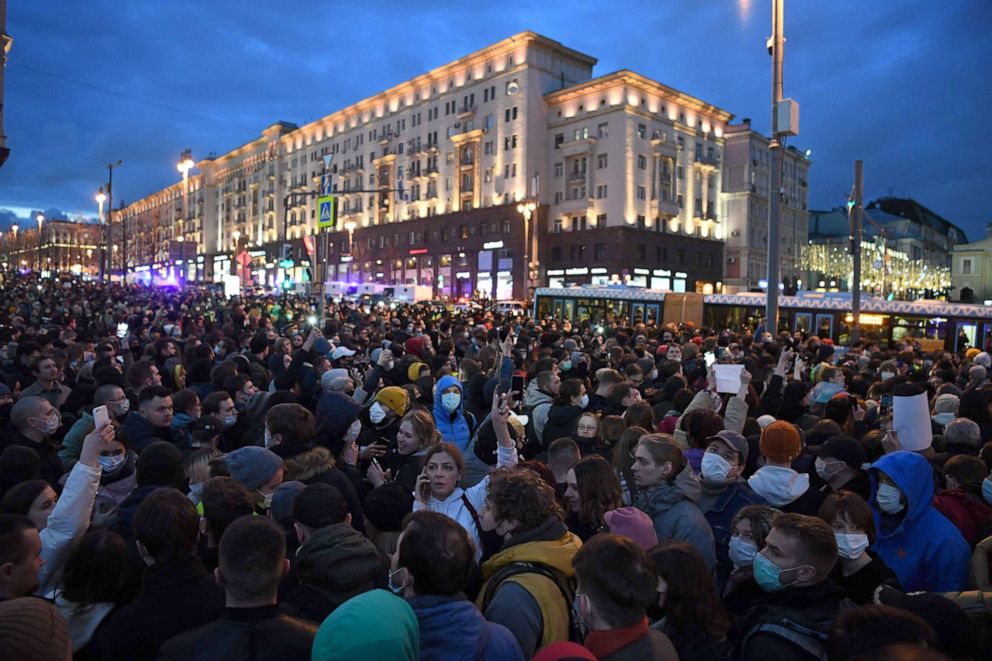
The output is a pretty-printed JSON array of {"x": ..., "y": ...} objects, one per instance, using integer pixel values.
[
  {"x": 808, "y": 633},
  {"x": 489, "y": 540},
  {"x": 564, "y": 584}
]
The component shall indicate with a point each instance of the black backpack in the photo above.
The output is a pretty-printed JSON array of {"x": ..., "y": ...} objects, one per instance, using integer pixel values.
[{"x": 566, "y": 586}]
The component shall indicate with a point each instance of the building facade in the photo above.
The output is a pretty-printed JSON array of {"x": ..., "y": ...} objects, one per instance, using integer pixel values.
[
  {"x": 507, "y": 169},
  {"x": 906, "y": 250},
  {"x": 971, "y": 271},
  {"x": 745, "y": 206},
  {"x": 65, "y": 246}
]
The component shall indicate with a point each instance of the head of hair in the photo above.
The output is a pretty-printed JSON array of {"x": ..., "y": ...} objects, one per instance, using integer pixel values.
[
  {"x": 450, "y": 449},
  {"x": 252, "y": 554},
  {"x": 608, "y": 377},
  {"x": 105, "y": 393},
  {"x": 818, "y": 546},
  {"x": 618, "y": 578},
  {"x": 225, "y": 500},
  {"x": 12, "y": 546},
  {"x": 320, "y": 505},
  {"x": 211, "y": 403},
  {"x": 618, "y": 393},
  {"x": 24, "y": 408},
  {"x": 598, "y": 487},
  {"x": 611, "y": 427},
  {"x": 437, "y": 552},
  {"x": 197, "y": 465},
  {"x": 570, "y": 389},
  {"x": 149, "y": 393},
  {"x": 962, "y": 432},
  {"x": 700, "y": 425},
  {"x": 524, "y": 497},
  {"x": 95, "y": 568},
  {"x": 862, "y": 632},
  {"x": 167, "y": 525},
  {"x": 220, "y": 373},
  {"x": 184, "y": 400},
  {"x": 18, "y": 499},
  {"x": 760, "y": 518},
  {"x": 692, "y": 604},
  {"x": 968, "y": 471},
  {"x": 664, "y": 449},
  {"x": 544, "y": 380},
  {"x": 563, "y": 452},
  {"x": 423, "y": 426},
  {"x": 233, "y": 384},
  {"x": 851, "y": 507},
  {"x": 639, "y": 415},
  {"x": 294, "y": 422},
  {"x": 138, "y": 373},
  {"x": 624, "y": 451}
]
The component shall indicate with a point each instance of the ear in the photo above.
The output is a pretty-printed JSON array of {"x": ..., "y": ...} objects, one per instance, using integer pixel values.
[
  {"x": 218, "y": 577},
  {"x": 806, "y": 573},
  {"x": 6, "y": 572},
  {"x": 285, "y": 567},
  {"x": 347, "y": 518},
  {"x": 300, "y": 535}
]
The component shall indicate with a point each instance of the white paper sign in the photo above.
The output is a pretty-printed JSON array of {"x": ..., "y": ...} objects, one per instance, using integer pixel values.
[
  {"x": 911, "y": 422},
  {"x": 728, "y": 377}
]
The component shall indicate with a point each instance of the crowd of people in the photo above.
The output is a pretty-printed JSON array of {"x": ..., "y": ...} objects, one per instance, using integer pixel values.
[{"x": 185, "y": 476}]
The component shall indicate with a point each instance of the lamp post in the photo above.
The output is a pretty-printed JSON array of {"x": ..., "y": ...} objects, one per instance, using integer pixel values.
[
  {"x": 184, "y": 166},
  {"x": 776, "y": 48},
  {"x": 101, "y": 197},
  {"x": 13, "y": 242},
  {"x": 527, "y": 210},
  {"x": 110, "y": 219},
  {"x": 41, "y": 219},
  {"x": 239, "y": 269},
  {"x": 350, "y": 226}
]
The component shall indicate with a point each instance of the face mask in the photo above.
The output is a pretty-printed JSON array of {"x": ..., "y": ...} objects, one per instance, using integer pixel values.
[
  {"x": 122, "y": 408},
  {"x": 376, "y": 414},
  {"x": 987, "y": 490},
  {"x": 451, "y": 400},
  {"x": 196, "y": 491},
  {"x": 268, "y": 438},
  {"x": 219, "y": 350},
  {"x": 888, "y": 498},
  {"x": 108, "y": 464},
  {"x": 229, "y": 420},
  {"x": 888, "y": 375},
  {"x": 851, "y": 545},
  {"x": 353, "y": 431},
  {"x": 715, "y": 468},
  {"x": 741, "y": 551},
  {"x": 768, "y": 575},
  {"x": 827, "y": 471},
  {"x": 565, "y": 365},
  {"x": 653, "y": 375},
  {"x": 49, "y": 426},
  {"x": 266, "y": 500},
  {"x": 584, "y": 402}
]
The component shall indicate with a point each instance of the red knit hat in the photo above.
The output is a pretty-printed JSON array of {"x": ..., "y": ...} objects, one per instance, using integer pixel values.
[{"x": 780, "y": 442}]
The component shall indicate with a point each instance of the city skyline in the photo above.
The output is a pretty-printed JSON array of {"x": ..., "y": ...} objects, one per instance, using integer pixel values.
[{"x": 66, "y": 117}]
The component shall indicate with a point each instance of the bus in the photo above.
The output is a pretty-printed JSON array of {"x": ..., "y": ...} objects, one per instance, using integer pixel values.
[{"x": 934, "y": 324}]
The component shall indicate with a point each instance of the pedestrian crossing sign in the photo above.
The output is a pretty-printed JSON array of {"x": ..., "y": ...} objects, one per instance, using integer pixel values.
[{"x": 327, "y": 211}]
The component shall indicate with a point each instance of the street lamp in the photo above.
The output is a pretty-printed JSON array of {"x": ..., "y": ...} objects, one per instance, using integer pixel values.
[
  {"x": 527, "y": 210},
  {"x": 101, "y": 197},
  {"x": 350, "y": 226},
  {"x": 41, "y": 219},
  {"x": 184, "y": 166}
]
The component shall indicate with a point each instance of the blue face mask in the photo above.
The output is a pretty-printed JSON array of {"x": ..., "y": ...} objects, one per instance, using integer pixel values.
[
  {"x": 451, "y": 400},
  {"x": 987, "y": 490},
  {"x": 768, "y": 575}
]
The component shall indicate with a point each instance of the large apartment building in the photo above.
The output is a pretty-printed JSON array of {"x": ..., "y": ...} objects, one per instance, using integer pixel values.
[{"x": 509, "y": 168}]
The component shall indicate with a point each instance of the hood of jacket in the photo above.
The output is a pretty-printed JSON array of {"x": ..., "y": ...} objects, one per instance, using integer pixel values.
[
  {"x": 337, "y": 558},
  {"x": 550, "y": 544},
  {"x": 663, "y": 496},
  {"x": 181, "y": 421},
  {"x": 305, "y": 465},
  {"x": 913, "y": 474},
  {"x": 454, "y": 626},
  {"x": 452, "y": 424},
  {"x": 533, "y": 396},
  {"x": 778, "y": 485}
]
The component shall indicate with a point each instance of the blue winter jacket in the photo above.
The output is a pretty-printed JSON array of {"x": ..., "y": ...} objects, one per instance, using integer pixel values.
[
  {"x": 923, "y": 548},
  {"x": 453, "y": 426},
  {"x": 720, "y": 510},
  {"x": 455, "y": 629}
]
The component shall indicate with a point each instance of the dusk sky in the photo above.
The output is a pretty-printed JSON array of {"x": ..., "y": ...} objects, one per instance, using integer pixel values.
[{"x": 903, "y": 85}]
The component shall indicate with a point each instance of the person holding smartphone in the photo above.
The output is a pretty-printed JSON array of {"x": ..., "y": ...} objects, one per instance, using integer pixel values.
[{"x": 437, "y": 485}]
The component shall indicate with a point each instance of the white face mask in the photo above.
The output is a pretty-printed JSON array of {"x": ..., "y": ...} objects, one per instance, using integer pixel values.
[
  {"x": 122, "y": 408},
  {"x": 266, "y": 500},
  {"x": 715, "y": 468},
  {"x": 827, "y": 470},
  {"x": 584, "y": 401},
  {"x": 741, "y": 551},
  {"x": 268, "y": 438},
  {"x": 376, "y": 414},
  {"x": 49, "y": 424},
  {"x": 888, "y": 375},
  {"x": 851, "y": 545},
  {"x": 888, "y": 499},
  {"x": 108, "y": 464}
]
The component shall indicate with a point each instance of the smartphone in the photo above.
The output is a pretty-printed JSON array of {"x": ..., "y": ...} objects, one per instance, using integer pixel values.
[
  {"x": 710, "y": 358},
  {"x": 517, "y": 385},
  {"x": 885, "y": 403},
  {"x": 101, "y": 416},
  {"x": 425, "y": 490},
  {"x": 121, "y": 330}
]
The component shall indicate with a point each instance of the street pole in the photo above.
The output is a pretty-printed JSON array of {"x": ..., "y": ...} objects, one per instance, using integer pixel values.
[
  {"x": 325, "y": 181},
  {"x": 856, "y": 211},
  {"x": 110, "y": 219},
  {"x": 775, "y": 185}
]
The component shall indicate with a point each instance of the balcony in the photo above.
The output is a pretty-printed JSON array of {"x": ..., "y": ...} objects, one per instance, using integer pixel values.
[
  {"x": 708, "y": 161},
  {"x": 466, "y": 111}
]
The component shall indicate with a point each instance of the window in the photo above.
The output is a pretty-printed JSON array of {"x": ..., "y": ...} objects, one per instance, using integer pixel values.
[
  {"x": 559, "y": 138},
  {"x": 510, "y": 114},
  {"x": 966, "y": 266},
  {"x": 680, "y": 201},
  {"x": 641, "y": 193},
  {"x": 506, "y": 227},
  {"x": 602, "y": 130},
  {"x": 642, "y": 131},
  {"x": 601, "y": 220},
  {"x": 557, "y": 197},
  {"x": 680, "y": 172},
  {"x": 599, "y": 252},
  {"x": 559, "y": 169},
  {"x": 463, "y": 231},
  {"x": 601, "y": 192},
  {"x": 642, "y": 162},
  {"x": 640, "y": 222},
  {"x": 602, "y": 161},
  {"x": 558, "y": 226},
  {"x": 487, "y": 122},
  {"x": 580, "y": 134}
]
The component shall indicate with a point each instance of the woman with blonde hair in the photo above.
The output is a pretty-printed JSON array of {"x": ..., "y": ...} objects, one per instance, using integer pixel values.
[
  {"x": 197, "y": 469},
  {"x": 416, "y": 436}
]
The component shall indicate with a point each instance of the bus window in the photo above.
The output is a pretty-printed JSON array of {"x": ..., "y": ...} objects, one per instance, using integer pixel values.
[
  {"x": 936, "y": 329},
  {"x": 970, "y": 331},
  {"x": 568, "y": 309},
  {"x": 557, "y": 311},
  {"x": 653, "y": 313},
  {"x": 636, "y": 312},
  {"x": 825, "y": 325},
  {"x": 804, "y": 322},
  {"x": 543, "y": 307}
]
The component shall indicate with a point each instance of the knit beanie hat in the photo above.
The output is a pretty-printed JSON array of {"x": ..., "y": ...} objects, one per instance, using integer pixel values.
[
  {"x": 971, "y": 353},
  {"x": 253, "y": 466},
  {"x": 413, "y": 371},
  {"x": 386, "y": 506},
  {"x": 765, "y": 420},
  {"x": 372, "y": 625},
  {"x": 31, "y": 629},
  {"x": 946, "y": 404},
  {"x": 160, "y": 464},
  {"x": 283, "y": 499},
  {"x": 394, "y": 399},
  {"x": 780, "y": 442},
  {"x": 633, "y": 523},
  {"x": 984, "y": 359}
]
